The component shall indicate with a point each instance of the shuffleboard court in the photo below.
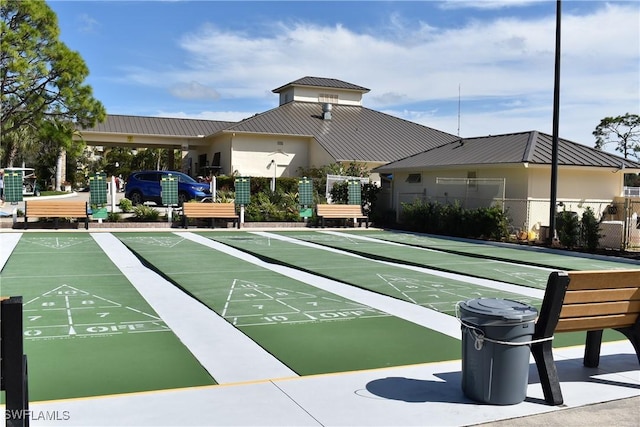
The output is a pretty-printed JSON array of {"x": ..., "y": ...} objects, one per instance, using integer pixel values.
[
  {"x": 87, "y": 332},
  {"x": 418, "y": 287},
  {"x": 310, "y": 330},
  {"x": 527, "y": 255},
  {"x": 363, "y": 273},
  {"x": 499, "y": 270}
]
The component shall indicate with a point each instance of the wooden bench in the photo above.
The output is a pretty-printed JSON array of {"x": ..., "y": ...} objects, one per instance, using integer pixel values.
[
  {"x": 588, "y": 301},
  {"x": 56, "y": 209},
  {"x": 209, "y": 210},
  {"x": 343, "y": 212}
]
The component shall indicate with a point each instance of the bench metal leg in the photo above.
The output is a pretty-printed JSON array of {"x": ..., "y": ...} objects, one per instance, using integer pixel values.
[
  {"x": 633, "y": 333},
  {"x": 592, "y": 349},
  {"x": 542, "y": 353}
]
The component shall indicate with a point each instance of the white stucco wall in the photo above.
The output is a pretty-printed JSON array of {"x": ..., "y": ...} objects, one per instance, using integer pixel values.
[
  {"x": 573, "y": 182},
  {"x": 252, "y": 155},
  {"x": 527, "y": 190},
  {"x": 304, "y": 94},
  {"x": 318, "y": 156}
]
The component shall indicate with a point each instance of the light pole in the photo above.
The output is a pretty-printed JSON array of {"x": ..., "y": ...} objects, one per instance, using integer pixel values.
[{"x": 554, "y": 142}]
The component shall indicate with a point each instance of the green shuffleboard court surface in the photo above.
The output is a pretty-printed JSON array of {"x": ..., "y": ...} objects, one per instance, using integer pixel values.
[
  {"x": 310, "y": 330},
  {"x": 87, "y": 331},
  {"x": 526, "y": 255},
  {"x": 502, "y": 271},
  {"x": 430, "y": 291}
]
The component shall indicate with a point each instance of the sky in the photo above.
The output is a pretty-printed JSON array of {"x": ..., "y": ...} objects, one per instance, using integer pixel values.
[{"x": 469, "y": 68}]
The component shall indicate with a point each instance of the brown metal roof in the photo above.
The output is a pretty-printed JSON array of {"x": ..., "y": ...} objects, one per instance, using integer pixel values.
[
  {"x": 526, "y": 147},
  {"x": 136, "y": 125},
  {"x": 322, "y": 82},
  {"x": 354, "y": 133}
]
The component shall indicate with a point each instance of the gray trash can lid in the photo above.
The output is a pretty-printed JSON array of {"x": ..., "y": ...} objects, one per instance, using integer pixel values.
[{"x": 496, "y": 310}]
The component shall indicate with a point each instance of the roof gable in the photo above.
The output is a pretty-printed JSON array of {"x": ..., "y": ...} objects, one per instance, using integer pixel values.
[{"x": 322, "y": 82}]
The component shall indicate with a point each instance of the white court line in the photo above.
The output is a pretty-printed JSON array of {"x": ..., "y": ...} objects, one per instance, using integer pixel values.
[
  {"x": 419, "y": 315},
  {"x": 8, "y": 242},
  {"x": 226, "y": 353}
]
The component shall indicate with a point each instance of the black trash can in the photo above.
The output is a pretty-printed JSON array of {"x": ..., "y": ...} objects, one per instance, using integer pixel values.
[{"x": 496, "y": 335}]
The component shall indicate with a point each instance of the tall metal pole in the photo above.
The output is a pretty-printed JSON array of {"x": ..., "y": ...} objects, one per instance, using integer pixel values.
[{"x": 554, "y": 143}]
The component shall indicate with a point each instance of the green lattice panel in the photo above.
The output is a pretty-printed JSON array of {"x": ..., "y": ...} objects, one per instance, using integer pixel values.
[
  {"x": 98, "y": 189},
  {"x": 13, "y": 185},
  {"x": 243, "y": 191},
  {"x": 355, "y": 193},
  {"x": 169, "y": 184},
  {"x": 305, "y": 191}
]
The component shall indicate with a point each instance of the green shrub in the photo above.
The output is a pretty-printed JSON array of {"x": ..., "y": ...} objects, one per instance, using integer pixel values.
[
  {"x": 454, "y": 220},
  {"x": 145, "y": 213},
  {"x": 114, "y": 217},
  {"x": 278, "y": 206},
  {"x": 125, "y": 205},
  {"x": 568, "y": 227},
  {"x": 590, "y": 230}
]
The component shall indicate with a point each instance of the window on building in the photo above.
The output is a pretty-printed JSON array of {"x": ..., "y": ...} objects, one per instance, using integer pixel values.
[
  {"x": 471, "y": 180},
  {"x": 414, "y": 178},
  {"x": 329, "y": 98}
]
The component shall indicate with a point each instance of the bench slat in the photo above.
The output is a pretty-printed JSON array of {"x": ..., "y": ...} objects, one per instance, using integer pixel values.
[
  {"x": 603, "y": 279},
  {"x": 59, "y": 211},
  {"x": 596, "y": 322},
  {"x": 604, "y": 295},
  {"x": 600, "y": 309}
]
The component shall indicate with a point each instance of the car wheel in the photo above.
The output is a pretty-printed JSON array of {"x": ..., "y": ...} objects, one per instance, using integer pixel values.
[
  {"x": 136, "y": 198},
  {"x": 182, "y": 197}
]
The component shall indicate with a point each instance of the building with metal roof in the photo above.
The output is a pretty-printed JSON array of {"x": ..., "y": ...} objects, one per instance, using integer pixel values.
[
  {"x": 513, "y": 170},
  {"x": 318, "y": 121},
  {"x": 321, "y": 121}
]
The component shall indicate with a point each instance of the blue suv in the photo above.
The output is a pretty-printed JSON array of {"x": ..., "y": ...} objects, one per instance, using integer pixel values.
[{"x": 144, "y": 186}]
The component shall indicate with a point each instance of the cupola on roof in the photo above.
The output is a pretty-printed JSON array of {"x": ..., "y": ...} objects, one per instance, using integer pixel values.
[{"x": 321, "y": 90}]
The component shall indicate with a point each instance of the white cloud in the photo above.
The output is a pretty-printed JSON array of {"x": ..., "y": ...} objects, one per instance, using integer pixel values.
[
  {"x": 87, "y": 24},
  {"x": 193, "y": 90},
  {"x": 486, "y": 4},
  {"x": 224, "y": 116},
  {"x": 490, "y": 59}
]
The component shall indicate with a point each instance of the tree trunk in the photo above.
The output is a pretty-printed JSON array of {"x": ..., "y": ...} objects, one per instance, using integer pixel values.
[{"x": 59, "y": 177}]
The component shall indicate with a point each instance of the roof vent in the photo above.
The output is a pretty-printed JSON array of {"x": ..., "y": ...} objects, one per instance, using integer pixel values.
[{"x": 326, "y": 111}]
